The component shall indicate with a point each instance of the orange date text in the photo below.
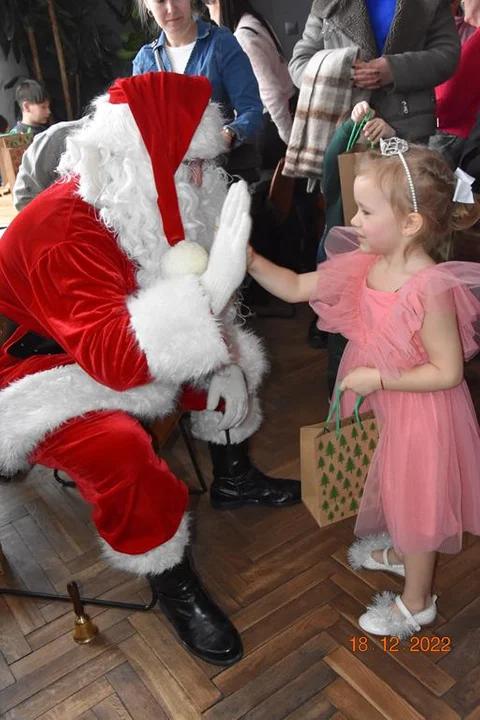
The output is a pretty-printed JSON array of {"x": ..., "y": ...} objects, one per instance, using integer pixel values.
[{"x": 413, "y": 644}]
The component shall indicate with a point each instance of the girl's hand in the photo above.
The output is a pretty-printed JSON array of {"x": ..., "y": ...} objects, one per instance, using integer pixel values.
[
  {"x": 360, "y": 110},
  {"x": 362, "y": 381},
  {"x": 376, "y": 129}
]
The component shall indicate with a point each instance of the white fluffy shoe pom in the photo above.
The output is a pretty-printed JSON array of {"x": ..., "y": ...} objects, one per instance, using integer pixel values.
[{"x": 184, "y": 258}]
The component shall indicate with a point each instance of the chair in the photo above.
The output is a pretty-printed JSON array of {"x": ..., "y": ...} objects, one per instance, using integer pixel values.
[
  {"x": 281, "y": 191},
  {"x": 12, "y": 148},
  {"x": 160, "y": 432}
]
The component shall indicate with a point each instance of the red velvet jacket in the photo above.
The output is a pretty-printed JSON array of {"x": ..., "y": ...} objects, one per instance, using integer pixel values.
[
  {"x": 458, "y": 99},
  {"x": 64, "y": 276}
]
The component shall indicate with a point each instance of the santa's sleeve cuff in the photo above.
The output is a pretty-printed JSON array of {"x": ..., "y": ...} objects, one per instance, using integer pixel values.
[{"x": 176, "y": 330}]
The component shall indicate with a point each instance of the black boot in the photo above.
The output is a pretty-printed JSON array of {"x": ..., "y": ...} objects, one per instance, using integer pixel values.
[
  {"x": 237, "y": 482},
  {"x": 317, "y": 339},
  {"x": 200, "y": 624}
]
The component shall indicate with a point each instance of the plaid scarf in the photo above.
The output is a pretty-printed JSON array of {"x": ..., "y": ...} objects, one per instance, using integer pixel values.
[{"x": 323, "y": 104}]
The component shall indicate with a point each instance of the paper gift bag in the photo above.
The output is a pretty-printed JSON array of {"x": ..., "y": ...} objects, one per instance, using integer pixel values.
[
  {"x": 346, "y": 169},
  {"x": 335, "y": 458}
]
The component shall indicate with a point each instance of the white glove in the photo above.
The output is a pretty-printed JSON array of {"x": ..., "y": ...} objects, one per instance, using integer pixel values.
[
  {"x": 229, "y": 384},
  {"x": 227, "y": 263}
]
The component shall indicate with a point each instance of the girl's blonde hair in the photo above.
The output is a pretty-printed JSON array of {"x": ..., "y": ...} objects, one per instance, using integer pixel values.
[{"x": 434, "y": 184}]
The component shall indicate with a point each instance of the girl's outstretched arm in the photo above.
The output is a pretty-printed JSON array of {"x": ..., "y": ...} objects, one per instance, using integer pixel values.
[{"x": 279, "y": 281}]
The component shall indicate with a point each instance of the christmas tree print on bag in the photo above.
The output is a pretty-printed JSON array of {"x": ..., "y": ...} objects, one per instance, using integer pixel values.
[{"x": 335, "y": 458}]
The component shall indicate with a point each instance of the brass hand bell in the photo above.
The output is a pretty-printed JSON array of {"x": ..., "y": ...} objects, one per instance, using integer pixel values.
[{"x": 85, "y": 630}]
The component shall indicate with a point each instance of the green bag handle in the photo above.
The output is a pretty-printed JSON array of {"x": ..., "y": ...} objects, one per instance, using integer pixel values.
[
  {"x": 356, "y": 130},
  {"x": 335, "y": 411}
]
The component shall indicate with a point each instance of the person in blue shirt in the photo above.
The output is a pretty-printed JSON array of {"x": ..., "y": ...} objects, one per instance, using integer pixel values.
[{"x": 195, "y": 47}]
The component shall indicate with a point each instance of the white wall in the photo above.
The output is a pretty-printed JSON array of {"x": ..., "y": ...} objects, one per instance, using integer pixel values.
[
  {"x": 278, "y": 12},
  {"x": 9, "y": 68}
]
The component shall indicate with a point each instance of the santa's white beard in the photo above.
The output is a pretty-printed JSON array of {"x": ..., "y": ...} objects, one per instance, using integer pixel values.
[
  {"x": 133, "y": 214},
  {"x": 116, "y": 176}
]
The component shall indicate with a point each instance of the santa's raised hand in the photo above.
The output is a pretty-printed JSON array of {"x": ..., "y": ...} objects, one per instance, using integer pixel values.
[{"x": 227, "y": 263}]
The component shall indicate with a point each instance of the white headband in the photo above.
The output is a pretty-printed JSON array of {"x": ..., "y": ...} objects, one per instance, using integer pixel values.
[{"x": 463, "y": 189}]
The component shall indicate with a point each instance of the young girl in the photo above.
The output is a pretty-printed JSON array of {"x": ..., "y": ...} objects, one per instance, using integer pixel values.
[{"x": 410, "y": 324}]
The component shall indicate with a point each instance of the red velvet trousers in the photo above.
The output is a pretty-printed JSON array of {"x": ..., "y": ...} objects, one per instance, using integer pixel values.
[{"x": 137, "y": 501}]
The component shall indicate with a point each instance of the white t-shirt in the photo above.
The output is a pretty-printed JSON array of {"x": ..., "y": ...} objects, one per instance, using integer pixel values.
[{"x": 179, "y": 56}]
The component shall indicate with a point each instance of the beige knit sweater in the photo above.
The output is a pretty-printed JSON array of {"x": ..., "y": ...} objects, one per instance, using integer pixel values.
[{"x": 271, "y": 71}]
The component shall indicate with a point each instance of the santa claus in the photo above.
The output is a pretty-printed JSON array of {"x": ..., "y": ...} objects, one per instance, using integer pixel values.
[{"x": 116, "y": 284}]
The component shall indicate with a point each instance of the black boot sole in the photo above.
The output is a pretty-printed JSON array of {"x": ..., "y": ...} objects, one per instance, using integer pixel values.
[
  {"x": 236, "y": 504},
  {"x": 194, "y": 651}
]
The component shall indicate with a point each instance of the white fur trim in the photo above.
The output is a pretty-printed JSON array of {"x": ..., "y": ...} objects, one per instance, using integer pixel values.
[
  {"x": 205, "y": 425},
  {"x": 175, "y": 328},
  {"x": 252, "y": 357},
  {"x": 208, "y": 142},
  {"x": 152, "y": 562},
  {"x": 40, "y": 403},
  {"x": 362, "y": 549}
]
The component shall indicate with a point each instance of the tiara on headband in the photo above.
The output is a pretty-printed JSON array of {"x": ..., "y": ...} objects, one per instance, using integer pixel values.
[{"x": 398, "y": 146}]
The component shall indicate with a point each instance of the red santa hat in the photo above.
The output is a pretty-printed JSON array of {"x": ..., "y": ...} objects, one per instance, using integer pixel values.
[{"x": 167, "y": 108}]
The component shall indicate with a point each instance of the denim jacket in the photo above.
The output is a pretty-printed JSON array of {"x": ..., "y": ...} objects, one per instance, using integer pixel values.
[{"x": 218, "y": 56}]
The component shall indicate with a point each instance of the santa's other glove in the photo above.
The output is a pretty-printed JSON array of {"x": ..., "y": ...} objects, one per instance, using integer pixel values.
[
  {"x": 227, "y": 263},
  {"x": 229, "y": 384}
]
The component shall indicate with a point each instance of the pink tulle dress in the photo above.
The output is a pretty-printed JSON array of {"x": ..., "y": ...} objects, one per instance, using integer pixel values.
[{"x": 423, "y": 487}]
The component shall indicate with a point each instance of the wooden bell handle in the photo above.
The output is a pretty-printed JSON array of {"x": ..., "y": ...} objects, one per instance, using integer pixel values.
[{"x": 72, "y": 588}]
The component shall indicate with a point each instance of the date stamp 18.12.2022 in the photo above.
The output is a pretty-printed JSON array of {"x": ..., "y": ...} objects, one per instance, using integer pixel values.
[{"x": 413, "y": 644}]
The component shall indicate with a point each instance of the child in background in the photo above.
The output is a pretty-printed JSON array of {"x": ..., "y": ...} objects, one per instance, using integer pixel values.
[
  {"x": 410, "y": 324},
  {"x": 34, "y": 106}
]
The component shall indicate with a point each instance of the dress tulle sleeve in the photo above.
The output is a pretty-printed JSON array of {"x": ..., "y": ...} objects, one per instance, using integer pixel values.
[
  {"x": 452, "y": 287},
  {"x": 336, "y": 299}
]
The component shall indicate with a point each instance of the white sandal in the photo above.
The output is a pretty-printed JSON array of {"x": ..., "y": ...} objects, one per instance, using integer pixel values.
[
  {"x": 360, "y": 554},
  {"x": 388, "y": 615}
]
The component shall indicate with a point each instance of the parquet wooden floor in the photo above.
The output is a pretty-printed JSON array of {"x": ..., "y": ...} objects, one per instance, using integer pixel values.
[{"x": 284, "y": 581}]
